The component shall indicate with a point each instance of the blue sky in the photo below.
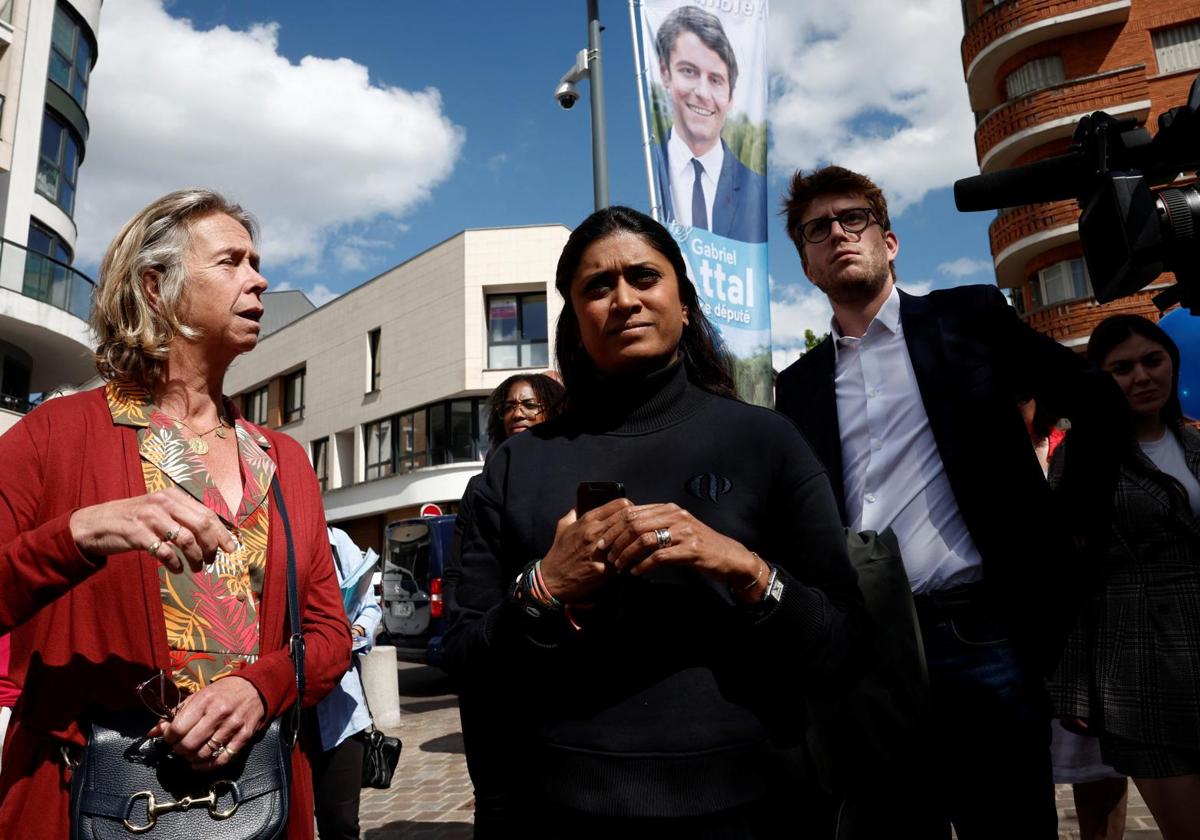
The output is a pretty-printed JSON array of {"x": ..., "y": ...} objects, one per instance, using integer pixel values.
[{"x": 361, "y": 133}]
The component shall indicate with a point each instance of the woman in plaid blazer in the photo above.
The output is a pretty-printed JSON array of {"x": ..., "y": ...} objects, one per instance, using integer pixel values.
[{"x": 1132, "y": 670}]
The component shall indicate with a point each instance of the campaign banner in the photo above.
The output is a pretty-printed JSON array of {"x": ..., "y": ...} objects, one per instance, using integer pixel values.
[{"x": 706, "y": 68}]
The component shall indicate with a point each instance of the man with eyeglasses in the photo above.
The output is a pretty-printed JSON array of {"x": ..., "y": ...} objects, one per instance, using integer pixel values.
[{"x": 911, "y": 404}]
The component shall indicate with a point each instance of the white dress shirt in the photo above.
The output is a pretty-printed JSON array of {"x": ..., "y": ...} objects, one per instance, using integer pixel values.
[
  {"x": 683, "y": 176},
  {"x": 891, "y": 469}
]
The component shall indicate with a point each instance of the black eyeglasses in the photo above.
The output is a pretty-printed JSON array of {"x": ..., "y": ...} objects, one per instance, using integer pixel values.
[
  {"x": 160, "y": 695},
  {"x": 854, "y": 220},
  {"x": 527, "y": 406}
]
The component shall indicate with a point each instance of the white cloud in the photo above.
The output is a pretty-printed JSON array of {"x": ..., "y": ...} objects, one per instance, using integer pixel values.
[
  {"x": 795, "y": 308},
  {"x": 964, "y": 267},
  {"x": 310, "y": 148},
  {"x": 873, "y": 85},
  {"x": 319, "y": 293},
  {"x": 496, "y": 162}
]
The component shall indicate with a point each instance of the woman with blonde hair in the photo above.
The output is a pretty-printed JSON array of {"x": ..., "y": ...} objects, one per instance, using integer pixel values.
[{"x": 145, "y": 537}]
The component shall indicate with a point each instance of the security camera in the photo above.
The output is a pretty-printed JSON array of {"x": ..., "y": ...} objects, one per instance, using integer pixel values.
[{"x": 567, "y": 95}]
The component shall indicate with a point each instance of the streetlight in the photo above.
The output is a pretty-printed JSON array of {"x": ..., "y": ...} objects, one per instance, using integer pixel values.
[{"x": 587, "y": 65}]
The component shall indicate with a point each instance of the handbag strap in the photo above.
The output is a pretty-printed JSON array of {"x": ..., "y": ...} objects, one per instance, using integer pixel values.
[
  {"x": 358, "y": 667},
  {"x": 296, "y": 645}
]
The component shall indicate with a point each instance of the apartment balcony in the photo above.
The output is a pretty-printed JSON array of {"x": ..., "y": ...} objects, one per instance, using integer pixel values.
[
  {"x": 44, "y": 306},
  {"x": 1051, "y": 113},
  {"x": 1020, "y": 234},
  {"x": 1006, "y": 28},
  {"x": 1072, "y": 322}
]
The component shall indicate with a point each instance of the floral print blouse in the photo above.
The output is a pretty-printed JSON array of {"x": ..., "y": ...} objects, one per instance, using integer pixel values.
[{"x": 211, "y": 615}]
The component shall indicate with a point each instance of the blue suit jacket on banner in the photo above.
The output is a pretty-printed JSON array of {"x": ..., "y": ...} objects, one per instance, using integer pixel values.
[{"x": 740, "y": 207}]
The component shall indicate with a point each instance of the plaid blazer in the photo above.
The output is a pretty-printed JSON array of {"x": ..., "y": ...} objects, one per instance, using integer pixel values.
[{"x": 1132, "y": 666}]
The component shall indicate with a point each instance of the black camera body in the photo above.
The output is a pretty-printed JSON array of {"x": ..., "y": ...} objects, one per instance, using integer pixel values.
[{"x": 1138, "y": 219}]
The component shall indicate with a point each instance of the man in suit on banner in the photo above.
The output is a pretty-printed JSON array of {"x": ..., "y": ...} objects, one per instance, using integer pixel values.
[
  {"x": 911, "y": 404},
  {"x": 702, "y": 183}
]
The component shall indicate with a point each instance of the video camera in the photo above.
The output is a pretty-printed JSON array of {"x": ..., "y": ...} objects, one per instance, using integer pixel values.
[{"x": 1134, "y": 226}]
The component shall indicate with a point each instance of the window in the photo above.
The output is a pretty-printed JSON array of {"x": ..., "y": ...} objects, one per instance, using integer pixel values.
[
  {"x": 381, "y": 457},
  {"x": 373, "y": 360},
  {"x": 255, "y": 406},
  {"x": 414, "y": 440},
  {"x": 517, "y": 331},
  {"x": 1016, "y": 297},
  {"x": 1177, "y": 48},
  {"x": 293, "y": 396},
  {"x": 1034, "y": 75},
  {"x": 320, "y": 460},
  {"x": 45, "y": 241},
  {"x": 1063, "y": 281},
  {"x": 443, "y": 433},
  {"x": 71, "y": 56},
  {"x": 58, "y": 164}
]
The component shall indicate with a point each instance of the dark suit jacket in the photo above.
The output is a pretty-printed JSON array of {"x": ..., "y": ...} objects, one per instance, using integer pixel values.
[
  {"x": 740, "y": 205},
  {"x": 973, "y": 359}
]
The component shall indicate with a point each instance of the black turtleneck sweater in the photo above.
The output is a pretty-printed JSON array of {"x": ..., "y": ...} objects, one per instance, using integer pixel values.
[{"x": 673, "y": 700}]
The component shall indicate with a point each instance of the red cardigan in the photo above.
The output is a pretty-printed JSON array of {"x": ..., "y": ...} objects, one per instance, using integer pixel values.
[{"x": 85, "y": 630}]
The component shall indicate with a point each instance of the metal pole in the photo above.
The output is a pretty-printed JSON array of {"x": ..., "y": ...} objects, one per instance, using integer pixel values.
[
  {"x": 596, "y": 80},
  {"x": 655, "y": 208}
]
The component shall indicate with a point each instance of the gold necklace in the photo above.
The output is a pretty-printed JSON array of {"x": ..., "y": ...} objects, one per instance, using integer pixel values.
[{"x": 198, "y": 444}]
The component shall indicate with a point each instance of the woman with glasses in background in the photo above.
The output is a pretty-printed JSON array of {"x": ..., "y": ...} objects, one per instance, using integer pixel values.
[
  {"x": 519, "y": 403},
  {"x": 143, "y": 557}
]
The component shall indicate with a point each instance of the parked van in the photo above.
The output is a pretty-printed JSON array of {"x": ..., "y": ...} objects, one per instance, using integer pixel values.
[{"x": 415, "y": 556}]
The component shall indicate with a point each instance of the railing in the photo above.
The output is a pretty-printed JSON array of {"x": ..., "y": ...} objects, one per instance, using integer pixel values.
[
  {"x": 1029, "y": 219},
  {"x": 51, "y": 281},
  {"x": 1003, "y": 18},
  {"x": 1076, "y": 319},
  {"x": 17, "y": 404},
  {"x": 1072, "y": 97}
]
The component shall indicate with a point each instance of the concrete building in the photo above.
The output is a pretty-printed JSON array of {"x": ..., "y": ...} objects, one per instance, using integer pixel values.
[
  {"x": 47, "y": 51},
  {"x": 386, "y": 385},
  {"x": 1033, "y": 69}
]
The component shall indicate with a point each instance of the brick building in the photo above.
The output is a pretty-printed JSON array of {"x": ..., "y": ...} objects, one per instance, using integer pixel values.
[{"x": 1033, "y": 69}]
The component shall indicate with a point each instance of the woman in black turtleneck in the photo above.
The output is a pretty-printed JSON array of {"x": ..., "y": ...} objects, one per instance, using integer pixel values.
[{"x": 649, "y": 657}]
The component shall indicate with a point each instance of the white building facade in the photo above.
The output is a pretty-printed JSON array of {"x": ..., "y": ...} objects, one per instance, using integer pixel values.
[
  {"x": 47, "y": 51},
  {"x": 386, "y": 385}
]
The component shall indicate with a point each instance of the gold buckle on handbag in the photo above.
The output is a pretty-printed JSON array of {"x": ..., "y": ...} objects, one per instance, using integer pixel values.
[{"x": 154, "y": 808}]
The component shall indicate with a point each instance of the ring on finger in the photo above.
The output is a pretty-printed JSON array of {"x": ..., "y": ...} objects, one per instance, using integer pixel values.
[
  {"x": 663, "y": 535},
  {"x": 154, "y": 547},
  {"x": 170, "y": 535},
  {"x": 218, "y": 751}
]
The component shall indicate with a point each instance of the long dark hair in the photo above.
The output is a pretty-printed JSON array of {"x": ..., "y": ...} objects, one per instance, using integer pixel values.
[
  {"x": 1116, "y": 329},
  {"x": 549, "y": 393},
  {"x": 708, "y": 363}
]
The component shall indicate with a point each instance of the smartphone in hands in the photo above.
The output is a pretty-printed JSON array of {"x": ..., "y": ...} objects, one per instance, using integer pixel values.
[{"x": 592, "y": 494}]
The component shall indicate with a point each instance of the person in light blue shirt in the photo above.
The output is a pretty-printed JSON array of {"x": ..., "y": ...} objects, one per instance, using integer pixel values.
[{"x": 344, "y": 715}]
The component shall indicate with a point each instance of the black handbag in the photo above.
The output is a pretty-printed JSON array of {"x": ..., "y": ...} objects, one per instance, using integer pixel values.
[
  {"x": 126, "y": 783},
  {"x": 381, "y": 752}
]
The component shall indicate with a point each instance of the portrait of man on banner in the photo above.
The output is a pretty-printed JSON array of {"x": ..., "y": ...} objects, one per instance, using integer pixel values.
[{"x": 709, "y": 164}]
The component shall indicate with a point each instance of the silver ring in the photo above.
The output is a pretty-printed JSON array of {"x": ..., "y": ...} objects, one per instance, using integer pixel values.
[
  {"x": 663, "y": 536},
  {"x": 154, "y": 547},
  {"x": 216, "y": 752},
  {"x": 170, "y": 535}
]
